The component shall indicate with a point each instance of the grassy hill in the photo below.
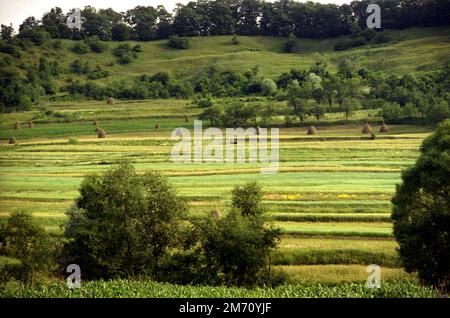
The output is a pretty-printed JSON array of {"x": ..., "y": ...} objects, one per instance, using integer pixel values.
[{"x": 409, "y": 51}]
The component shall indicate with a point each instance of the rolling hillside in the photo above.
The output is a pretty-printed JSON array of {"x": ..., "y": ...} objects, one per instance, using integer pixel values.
[{"x": 409, "y": 51}]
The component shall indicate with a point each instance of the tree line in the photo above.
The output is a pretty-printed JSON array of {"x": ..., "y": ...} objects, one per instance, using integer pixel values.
[{"x": 226, "y": 17}]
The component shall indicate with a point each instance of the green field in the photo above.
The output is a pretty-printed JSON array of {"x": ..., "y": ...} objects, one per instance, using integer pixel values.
[{"x": 331, "y": 197}]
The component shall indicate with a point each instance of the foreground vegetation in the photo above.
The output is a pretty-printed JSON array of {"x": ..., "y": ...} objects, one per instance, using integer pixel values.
[{"x": 142, "y": 288}]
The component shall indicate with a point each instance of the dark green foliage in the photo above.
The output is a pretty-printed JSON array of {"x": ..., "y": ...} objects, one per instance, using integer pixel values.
[
  {"x": 22, "y": 238},
  {"x": 245, "y": 17},
  {"x": 6, "y": 32},
  {"x": 80, "y": 48},
  {"x": 421, "y": 212},
  {"x": 178, "y": 42},
  {"x": 235, "y": 40},
  {"x": 125, "y": 53},
  {"x": 291, "y": 46},
  {"x": 8, "y": 48},
  {"x": 96, "y": 45},
  {"x": 248, "y": 199},
  {"x": 381, "y": 38},
  {"x": 121, "y": 32},
  {"x": 237, "y": 249},
  {"x": 213, "y": 114},
  {"x": 123, "y": 224},
  {"x": 137, "y": 48}
]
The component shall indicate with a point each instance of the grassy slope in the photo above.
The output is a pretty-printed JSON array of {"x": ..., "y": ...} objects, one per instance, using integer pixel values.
[{"x": 410, "y": 51}]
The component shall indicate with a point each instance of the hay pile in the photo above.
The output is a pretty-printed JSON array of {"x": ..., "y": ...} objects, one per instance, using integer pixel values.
[
  {"x": 31, "y": 124},
  {"x": 258, "y": 130},
  {"x": 367, "y": 129},
  {"x": 12, "y": 141},
  {"x": 186, "y": 119},
  {"x": 101, "y": 133},
  {"x": 384, "y": 128},
  {"x": 216, "y": 215},
  {"x": 311, "y": 130},
  {"x": 157, "y": 126},
  {"x": 17, "y": 125},
  {"x": 110, "y": 101}
]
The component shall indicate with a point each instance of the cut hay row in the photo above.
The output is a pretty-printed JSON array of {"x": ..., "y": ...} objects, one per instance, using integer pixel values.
[{"x": 324, "y": 217}]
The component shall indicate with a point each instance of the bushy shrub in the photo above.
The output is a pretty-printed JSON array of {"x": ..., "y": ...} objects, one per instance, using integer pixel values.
[
  {"x": 178, "y": 42},
  {"x": 96, "y": 45},
  {"x": 268, "y": 87},
  {"x": 80, "y": 48},
  {"x": 23, "y": 239},
  {"x": 291, "y": 45}
]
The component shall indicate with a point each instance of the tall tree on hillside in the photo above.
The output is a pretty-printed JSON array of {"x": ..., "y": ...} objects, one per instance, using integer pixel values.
[
  {"x": 249, "y": 12},
  {"x": 95, "y": 24},
  {"x": 222, "y": 21},
  {"x": 187, "y": 21},
  {"x": 164, "y": 26},
  {"x": 143, "y": 22},
  {"x": 54, "y": 22},
  {"x": 6, "y": 32}
]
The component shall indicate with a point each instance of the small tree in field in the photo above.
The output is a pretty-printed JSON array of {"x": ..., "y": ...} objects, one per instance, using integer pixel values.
[
  {"x": 421, "y": 212},
  {"x": 22, "y": 238},
  {"x": 237, "y": 247},
  {"x": 248, "y": 199},
  {"x": 122, "y": 223}
]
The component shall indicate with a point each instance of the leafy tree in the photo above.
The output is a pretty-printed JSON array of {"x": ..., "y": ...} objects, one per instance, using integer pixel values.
[
  {"x": 95, "y": 24},
  {"x": 391, "y": 112},
  {"x": 121, "y": 32},
  {"x": 237, "y": 248},
  {"x": 178, "y": 42},
  {"x": 212, "y": 113},
  {"x": 123, "y": 223},
  {"x": 23, "y": 238},
  {"x": 297, "y": 99},
  {"x": 54, "y": 22},
  {"x": 164, "y": 26},
  {"x": 6, "y": 32},
  {"x": 317, "y": 110},
  {"x": 143, "y": 22},
  {"x": 421, "y": 212},
  {"x": 291, "y": 46},
  {"x": 268, "y": 87},
  {"x": 248, "y": 199}
]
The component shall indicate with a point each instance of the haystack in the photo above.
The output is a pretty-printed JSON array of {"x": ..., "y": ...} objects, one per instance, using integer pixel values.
[
  {"x": 311, "y": 130},
  {"x": 216, "y": 214},
  {"x": 384, "y": 128},
  {"x": 258, "y": 130},
  {"x": 30, "y": 124},
  {"x": 101, "y": 133},
  {"x": 12, "y": 141},
  {"x": 17, "y": 125},
  {"x": 95, "y": 122},
  {"x": 157, "y": 126},
  {"x": 110, "y": 101},
  {"x": 186, "y": 119},
  {"x": 367, "y": 129}
]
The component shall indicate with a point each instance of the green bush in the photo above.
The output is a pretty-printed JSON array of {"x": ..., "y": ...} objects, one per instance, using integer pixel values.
[
  {"x": 178, "y": 42},
  {"x": 96, "y": 45},
  {"x": 248, "y": 199},
  {"x": 80, "y": 48},
  {"x": 23, "y": 239},
  {"x": 421, "y": 212}
]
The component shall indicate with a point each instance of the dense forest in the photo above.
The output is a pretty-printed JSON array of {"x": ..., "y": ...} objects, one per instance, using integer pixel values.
[{"x": 241, "y": 17}]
